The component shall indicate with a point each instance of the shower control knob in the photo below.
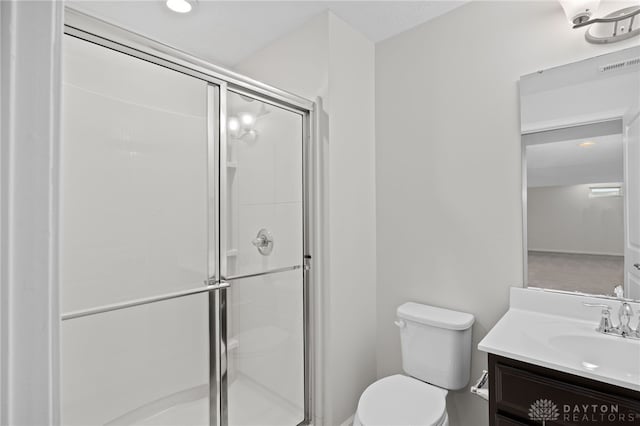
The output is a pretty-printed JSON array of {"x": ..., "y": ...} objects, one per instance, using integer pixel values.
[
  {"x": 263, "y": 242},
  {"x": 259, "y": 241}
]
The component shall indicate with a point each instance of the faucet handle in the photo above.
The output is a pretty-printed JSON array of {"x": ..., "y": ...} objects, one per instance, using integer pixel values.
[
  {"x": 624, "y": 315},
  {"x": 618, "y": 291},
  {"x": 605, "y": 325}
]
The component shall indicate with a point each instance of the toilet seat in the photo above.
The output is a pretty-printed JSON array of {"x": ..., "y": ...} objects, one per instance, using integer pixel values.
[{"x": 401, "y": 400}]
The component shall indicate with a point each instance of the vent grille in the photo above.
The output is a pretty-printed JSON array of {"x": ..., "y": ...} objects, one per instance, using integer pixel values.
[{"x": 620, "y": 65}]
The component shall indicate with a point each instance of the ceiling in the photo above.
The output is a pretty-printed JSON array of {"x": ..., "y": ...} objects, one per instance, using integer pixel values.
[
  {"x": 226, "y": 32},
  {"x": 567, "y": 163}
]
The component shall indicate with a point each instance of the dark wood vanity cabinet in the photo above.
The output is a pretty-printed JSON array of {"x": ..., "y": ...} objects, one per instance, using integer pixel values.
[{"x": 525, "y": 394}]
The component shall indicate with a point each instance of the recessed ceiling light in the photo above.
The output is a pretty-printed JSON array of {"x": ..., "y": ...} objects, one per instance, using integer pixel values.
[
  {"x": 180, "y": 6},
  {"x": 586, "y": 144}
]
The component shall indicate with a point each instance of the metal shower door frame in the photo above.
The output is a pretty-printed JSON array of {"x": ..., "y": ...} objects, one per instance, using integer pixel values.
[
  {"x": 305, "y": 258},
  {"x": 219, "y": 82}
]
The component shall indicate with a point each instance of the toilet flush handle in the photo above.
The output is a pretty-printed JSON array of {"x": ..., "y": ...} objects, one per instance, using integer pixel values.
[{"x": 400, "y": 323}]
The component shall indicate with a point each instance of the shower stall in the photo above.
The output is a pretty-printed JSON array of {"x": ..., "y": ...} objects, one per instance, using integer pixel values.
[{"x": 184, "y": 239}]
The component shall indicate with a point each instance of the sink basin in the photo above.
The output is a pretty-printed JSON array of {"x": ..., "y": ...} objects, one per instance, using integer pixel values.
[
  {"x": 609, "y": 355},
  {"x": 566, "y": 344}
]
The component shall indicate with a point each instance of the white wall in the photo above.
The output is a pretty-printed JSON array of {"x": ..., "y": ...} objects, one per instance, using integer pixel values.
[
  {"x": 352, "y": 217},
  {"x": 298, "y": 62},
  {"x": 565, "y": 219},
  {"x": 448, "y": 164},
  {"x": 329, "y": 59}
]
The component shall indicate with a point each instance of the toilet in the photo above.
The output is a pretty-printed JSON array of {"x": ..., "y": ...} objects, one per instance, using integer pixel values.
[{"x": 436, "y": 358}]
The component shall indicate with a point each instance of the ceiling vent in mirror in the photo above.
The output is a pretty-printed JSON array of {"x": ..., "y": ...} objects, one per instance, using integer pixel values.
[{"x": 620, "y": 65}]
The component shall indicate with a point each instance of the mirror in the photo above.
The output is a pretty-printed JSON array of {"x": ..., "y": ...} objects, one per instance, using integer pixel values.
[{"x": 580, "y": 130}]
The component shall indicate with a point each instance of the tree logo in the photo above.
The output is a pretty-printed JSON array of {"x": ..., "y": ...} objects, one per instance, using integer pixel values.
[{"x": 543, "y": 410}]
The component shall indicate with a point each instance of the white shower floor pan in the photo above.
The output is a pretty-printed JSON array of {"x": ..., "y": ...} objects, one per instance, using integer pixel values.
[{"x": 249, "y": 405}]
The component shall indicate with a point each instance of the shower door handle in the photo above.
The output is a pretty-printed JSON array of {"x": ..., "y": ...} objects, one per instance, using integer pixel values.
[{"x": 213, "y": 284}]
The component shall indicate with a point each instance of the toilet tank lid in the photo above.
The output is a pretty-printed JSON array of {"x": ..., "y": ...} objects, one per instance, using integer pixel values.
[{"x": 436, "y": 317}]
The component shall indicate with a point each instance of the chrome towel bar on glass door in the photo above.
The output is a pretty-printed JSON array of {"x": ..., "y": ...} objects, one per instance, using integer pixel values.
[
  {"x": 143, "y": 301},
  {"x": 269, "y": 272}
]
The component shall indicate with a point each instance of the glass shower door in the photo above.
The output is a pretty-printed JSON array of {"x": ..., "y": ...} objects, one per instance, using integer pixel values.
[
  {"x": 183, "y": 291},
  {"x": 137, "y": 245},
  {"x": 263, "y": 340}
]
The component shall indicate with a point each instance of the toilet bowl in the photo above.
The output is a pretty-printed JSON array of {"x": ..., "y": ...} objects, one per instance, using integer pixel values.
[
  {"x": 402, "y": 401},
  {"x": 436, "y": 357}
]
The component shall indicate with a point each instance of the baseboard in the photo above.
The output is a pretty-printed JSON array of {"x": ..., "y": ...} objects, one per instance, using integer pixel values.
[
  {"x": 348, "y": 422},
  {"x": 590, "y": 253}
]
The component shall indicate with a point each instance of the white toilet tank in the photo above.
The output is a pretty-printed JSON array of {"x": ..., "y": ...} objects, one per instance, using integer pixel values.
[{"x": 436, "y": 344}]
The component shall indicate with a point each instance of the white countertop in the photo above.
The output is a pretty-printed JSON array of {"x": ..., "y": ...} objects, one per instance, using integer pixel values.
[{"x": 533, "y": 331}]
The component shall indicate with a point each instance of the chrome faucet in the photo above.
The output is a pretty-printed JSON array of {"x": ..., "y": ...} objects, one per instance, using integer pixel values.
[{"x": 623, "y": 329}]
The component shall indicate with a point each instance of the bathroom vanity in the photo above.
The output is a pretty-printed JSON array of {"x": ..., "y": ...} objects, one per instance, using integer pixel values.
[
  {"x": 547, "y": 362},
  {"x": 516, "y": 385}
]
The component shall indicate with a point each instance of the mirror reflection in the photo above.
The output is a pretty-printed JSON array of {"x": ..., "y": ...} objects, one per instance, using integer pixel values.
[
  {"x": 575, "y": 214},
  {"x": 581, "y": 184}
]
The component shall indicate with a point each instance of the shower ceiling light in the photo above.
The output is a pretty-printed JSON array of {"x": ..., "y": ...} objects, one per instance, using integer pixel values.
[
  {"x": 247, "y": 120},
  {"x": 242, "y": 127},
  {"x": 233, "y": 126},
  {"x": 180, "y": 6},
  {"x": 616, "y": 26}
]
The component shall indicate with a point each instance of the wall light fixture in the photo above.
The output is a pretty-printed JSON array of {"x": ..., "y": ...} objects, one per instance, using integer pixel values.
[{"x": 616, "y": 26}]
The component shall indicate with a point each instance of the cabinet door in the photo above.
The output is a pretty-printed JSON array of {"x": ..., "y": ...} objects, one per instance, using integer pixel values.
[
  {"x": 527, "y": 395},
  {"x": 506, "y": 421}
]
